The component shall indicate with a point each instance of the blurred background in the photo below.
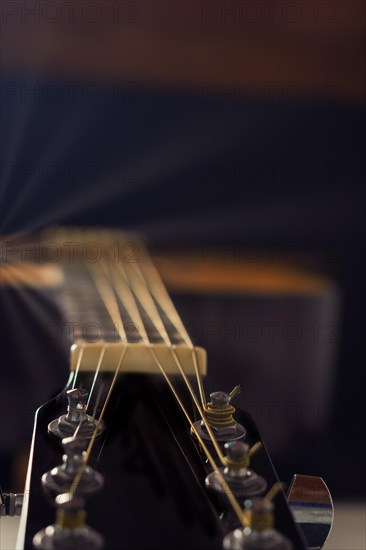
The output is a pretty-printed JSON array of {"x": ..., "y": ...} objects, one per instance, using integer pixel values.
[{"x": 231, "y": 135}]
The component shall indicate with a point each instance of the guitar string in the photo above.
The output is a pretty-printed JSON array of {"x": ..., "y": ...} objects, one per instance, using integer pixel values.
[
  {"x": 107, "y": 294},
  {"x": 154, "y": 315},
  {"x": 187, "y": 340},
  {"x": 201, "y": 412},
  {"x": 124, "y": 292},
  {"x": 132, "y": 300},
  {"x": 128, "y": 296},
  {"x": 232, "y": 500},
  {"x": 98, "y": 399},
  {"x": 185, "y": 378},
  {"x": 99, "y": 364},
  {"x": 133, "y": 304},
  {"x": 230, "y": 496},
  {"x": 98, "y": 424},
  {"x": 78, "y": 364},
  {"x": 173, "y": 349},
  {"x": 157, "y": 286},
  {"x": 108, "y": 297},
  {"x": 143, "y": 295}
]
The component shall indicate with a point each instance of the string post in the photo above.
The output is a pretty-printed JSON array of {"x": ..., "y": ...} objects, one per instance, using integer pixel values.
[
  {"x": 76, "y": 410},
  {"x": 60, "y": 479},
  {"x": 76, "y": 421},
  {"x": 219, "y": 415},
  {"x": 70, "y": 513},
  {"x": 70, "y": 529},
  {"x": 219, "y": 411},
  {"x": 243, "y": 482},
  {"x": 259, "y": 515},
  {"x": 237, "y": 455},
  {"x": 259, "y": 531}
]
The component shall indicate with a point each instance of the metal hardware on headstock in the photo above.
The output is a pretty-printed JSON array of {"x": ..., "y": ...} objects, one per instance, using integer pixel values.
[
  {"x": 260, "y": 533},
  {"x": 70, "y": 530},
  {"x": 76, "y": 418},
  {"x": 59, "y": 479},
  {"x": 243, "y": 482},
  {"x": 219, "y": 415},
  {"x": 11, "y": 504}
]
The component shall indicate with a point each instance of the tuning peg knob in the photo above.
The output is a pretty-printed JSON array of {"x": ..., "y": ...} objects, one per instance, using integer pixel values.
[
  {"x": 60, "y": 479},
  {"x": 237, "y": 451},
  {"x": 74, "y": 446},
  {"x": 219, "y": 415},
  {"x": 260, "y": 532},
  {"x": 70, "y": 530},
  {"x": 76, "y": 420},
  {"x": 242, "y": 481},
  {"x": 76, "y": 410},
  {"x": 220, "y": 399}
]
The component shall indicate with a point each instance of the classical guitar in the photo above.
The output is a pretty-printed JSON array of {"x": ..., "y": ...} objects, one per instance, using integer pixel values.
[{"x": 132, "y": 453}]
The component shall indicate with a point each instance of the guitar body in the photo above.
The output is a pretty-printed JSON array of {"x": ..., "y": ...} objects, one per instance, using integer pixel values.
[{"x": 154, "y": 471}]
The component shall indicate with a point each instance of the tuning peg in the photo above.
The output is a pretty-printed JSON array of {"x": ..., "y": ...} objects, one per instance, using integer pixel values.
[
  {"x": 219, "y": 415},
  {"x": 220, "y": 399},
  {"x": 60, "y": 479},
  {"x": 76, "y": 420},
  {"x": 70, "y": 529},
  {"x": 237, "y": 452},
  {"x": 243, "y": 482},
  {"x": 259, "y": 532}
]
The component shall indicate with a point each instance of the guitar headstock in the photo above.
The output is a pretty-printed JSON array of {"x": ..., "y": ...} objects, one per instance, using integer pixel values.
[{"x": 148, "y": 479}]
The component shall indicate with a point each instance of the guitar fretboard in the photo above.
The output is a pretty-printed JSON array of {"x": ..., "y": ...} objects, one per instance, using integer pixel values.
[{"x": 115, "y": 298}]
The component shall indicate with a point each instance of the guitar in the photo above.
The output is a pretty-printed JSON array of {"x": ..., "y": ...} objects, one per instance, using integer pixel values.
[{"x": 132, "y": 453}]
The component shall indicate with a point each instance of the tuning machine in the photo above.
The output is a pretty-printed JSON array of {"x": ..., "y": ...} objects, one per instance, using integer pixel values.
[
  {"x": 76, "y": 420},
  {"x": 219, "y": 414},
  {"x": 260, "y": 533},
  {"x": 242, "y": 481},
  {"x": 60, "y": 479},
  {"x": 70, "y": 530}
]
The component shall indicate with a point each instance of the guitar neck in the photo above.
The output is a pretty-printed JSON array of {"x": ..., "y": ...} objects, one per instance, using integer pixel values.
[{"x": 113, "y": 298}]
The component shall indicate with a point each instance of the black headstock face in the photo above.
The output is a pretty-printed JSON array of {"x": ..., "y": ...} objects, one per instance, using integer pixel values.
[{"x": 154, "y": 471}]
